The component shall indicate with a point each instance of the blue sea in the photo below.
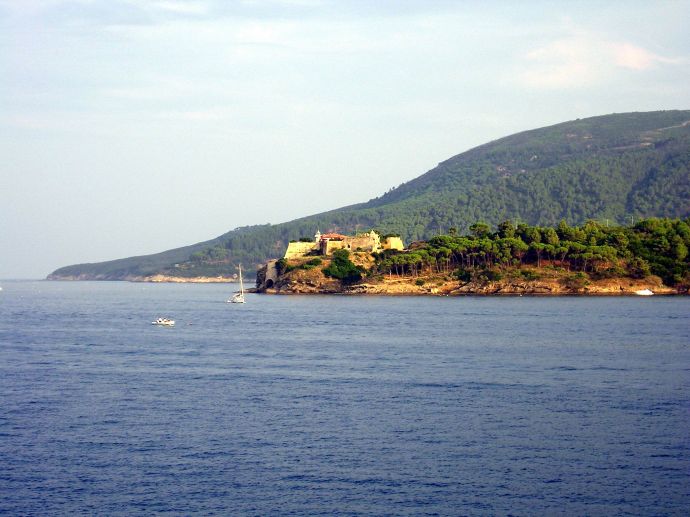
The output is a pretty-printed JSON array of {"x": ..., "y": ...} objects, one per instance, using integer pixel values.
[{"x": 333, "y": 405}]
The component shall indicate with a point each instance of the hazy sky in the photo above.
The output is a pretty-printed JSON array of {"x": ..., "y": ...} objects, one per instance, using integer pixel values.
[{"x": 133, "y": 126}]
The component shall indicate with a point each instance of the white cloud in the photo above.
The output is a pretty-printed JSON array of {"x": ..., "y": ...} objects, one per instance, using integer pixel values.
[
  {"x": 263, "y": 33},
  {"x": 156, "y": 89},
  {"x": 561, "y": 64},
  {"x": 25, "y": 121},
  {"x": 627, "y": 55},
  {"x": 178, "y": 7},
  {"x": 210, "y": 115},
  {"x": 585, "y": 60},
  {"x": 28, "y": 7},
  {"x": 55, "y": 121}
]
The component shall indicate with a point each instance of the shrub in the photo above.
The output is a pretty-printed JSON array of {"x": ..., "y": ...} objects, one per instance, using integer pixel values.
[
  {"x": 639, "y": 268},
  {"x": 463, "y": 275},
  {"x": 611, "y": 272},
  {"x": 310, "y": 264},
  {"x": 342, "y": 268},
  {"x": 576, "y": 281},
  {"x": 528, "y": 274},
  {"x": 489, "y": 275},
  {"x": 419, "y": 281}
]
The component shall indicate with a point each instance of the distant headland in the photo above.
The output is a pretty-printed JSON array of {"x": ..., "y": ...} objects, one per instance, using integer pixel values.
[
  {"x": 156, "y": 279},
  {"x": 616, "y": 169}
]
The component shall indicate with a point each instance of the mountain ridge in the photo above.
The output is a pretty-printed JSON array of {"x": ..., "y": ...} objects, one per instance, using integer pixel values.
[{"x": 613, "y": 167}]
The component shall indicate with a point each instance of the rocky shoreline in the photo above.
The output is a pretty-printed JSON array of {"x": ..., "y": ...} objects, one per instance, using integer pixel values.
[
  {"x": 314, "y": 283},
  {"x": 550, "y": 283},
  {"x": 470, "y": 289}
]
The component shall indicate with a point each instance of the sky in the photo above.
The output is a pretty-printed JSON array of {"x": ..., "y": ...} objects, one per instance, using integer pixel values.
[{"x": 129, "y": 127}]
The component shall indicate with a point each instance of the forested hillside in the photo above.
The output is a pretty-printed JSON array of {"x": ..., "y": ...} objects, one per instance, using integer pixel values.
[
  {"x": 620, "y": 168},
  {"x": 651, "y": 246}
]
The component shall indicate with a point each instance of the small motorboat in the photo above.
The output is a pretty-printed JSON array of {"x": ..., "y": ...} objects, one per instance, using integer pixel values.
[
  {"x": 163, "y": 322},
  {"x": 644, "y": 292}
]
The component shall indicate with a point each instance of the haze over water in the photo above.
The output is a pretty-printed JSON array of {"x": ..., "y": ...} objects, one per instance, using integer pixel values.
[{"x": 340, "y": 405}]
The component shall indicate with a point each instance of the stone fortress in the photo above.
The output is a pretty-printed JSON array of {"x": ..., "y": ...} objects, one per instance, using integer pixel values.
[{"x": 325, "y": 244}]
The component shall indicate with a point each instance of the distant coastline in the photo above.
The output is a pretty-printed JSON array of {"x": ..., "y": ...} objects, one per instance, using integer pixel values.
[{"x": 156, "y": 279}]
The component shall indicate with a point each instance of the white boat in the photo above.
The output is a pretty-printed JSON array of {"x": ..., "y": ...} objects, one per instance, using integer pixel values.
[
  {"x": 239, "y": 296},
  {"x": 644, "y": 292},
  {"x": 163, "y": 322}
]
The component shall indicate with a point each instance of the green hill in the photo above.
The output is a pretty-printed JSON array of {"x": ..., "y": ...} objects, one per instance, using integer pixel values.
[{"x": 614, "y": 167}]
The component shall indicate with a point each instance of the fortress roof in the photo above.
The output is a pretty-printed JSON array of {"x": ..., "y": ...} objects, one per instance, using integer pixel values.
[{"x": 333, "y": 236}]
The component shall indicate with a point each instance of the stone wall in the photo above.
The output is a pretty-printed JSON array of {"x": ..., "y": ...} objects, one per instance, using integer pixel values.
[
  {"x": 393, "y": 243},
  {"x": 328, "y": 247},
  {"x": 365, "y": 242},
  {"x": 298, "y": 249},
  {"x": 267, "y": 276}
]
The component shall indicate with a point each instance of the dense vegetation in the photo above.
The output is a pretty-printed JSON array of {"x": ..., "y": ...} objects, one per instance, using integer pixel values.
[
  {"x": 342, "y": 268},
  {"x": 616, "y": 168},
  {"x": 283, "y": 266},
  {"x": 652, "y": 246}
]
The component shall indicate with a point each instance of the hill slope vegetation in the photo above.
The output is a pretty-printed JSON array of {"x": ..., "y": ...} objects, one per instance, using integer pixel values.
[
  {"x": 514, "y": 259},
  {"x": 620, "y": 168}
]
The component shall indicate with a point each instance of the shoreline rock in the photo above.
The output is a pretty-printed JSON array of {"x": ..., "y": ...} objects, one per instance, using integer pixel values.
[{"x": 313, "y": 282}]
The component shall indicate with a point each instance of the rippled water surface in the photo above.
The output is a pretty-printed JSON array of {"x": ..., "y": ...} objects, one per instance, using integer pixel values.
[{"x": 340, "y": 405}]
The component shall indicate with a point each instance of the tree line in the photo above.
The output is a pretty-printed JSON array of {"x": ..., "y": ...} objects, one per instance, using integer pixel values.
[{"x": 652, "y": 246}]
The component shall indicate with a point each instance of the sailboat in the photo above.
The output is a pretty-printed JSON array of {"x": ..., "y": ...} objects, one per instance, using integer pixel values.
[{"x": 238, "y": 297}]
